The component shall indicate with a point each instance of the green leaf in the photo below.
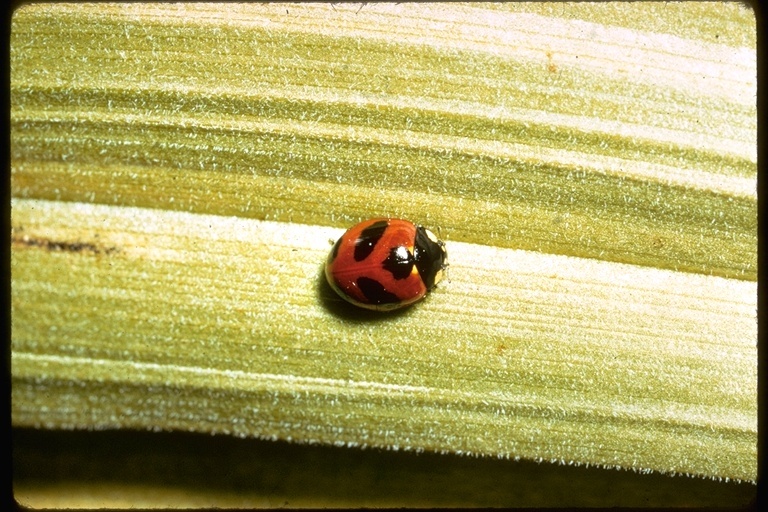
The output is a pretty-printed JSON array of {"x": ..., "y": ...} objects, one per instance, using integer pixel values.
[{"x": 178, "y": 171}]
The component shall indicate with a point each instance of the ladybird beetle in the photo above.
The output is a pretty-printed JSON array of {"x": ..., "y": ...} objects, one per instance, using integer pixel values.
[{"x": 385, "y": 264}]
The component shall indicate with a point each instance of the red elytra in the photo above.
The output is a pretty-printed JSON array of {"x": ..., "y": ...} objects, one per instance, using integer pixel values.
[{"x": 385, "y": 264}]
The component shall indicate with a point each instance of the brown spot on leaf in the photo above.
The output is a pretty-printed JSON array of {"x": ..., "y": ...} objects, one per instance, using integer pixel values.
[
  {"x": 551, "y": 67},
  {"x": 19, "y": 240}
]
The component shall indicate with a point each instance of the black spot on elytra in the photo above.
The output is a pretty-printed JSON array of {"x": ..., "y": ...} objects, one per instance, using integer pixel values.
[
  {"x": 335, "y": 250},
  {"x": 375, "y": 292},
  {"x": 368, "y": 239},
  {"x": 399, "y": 263}
]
